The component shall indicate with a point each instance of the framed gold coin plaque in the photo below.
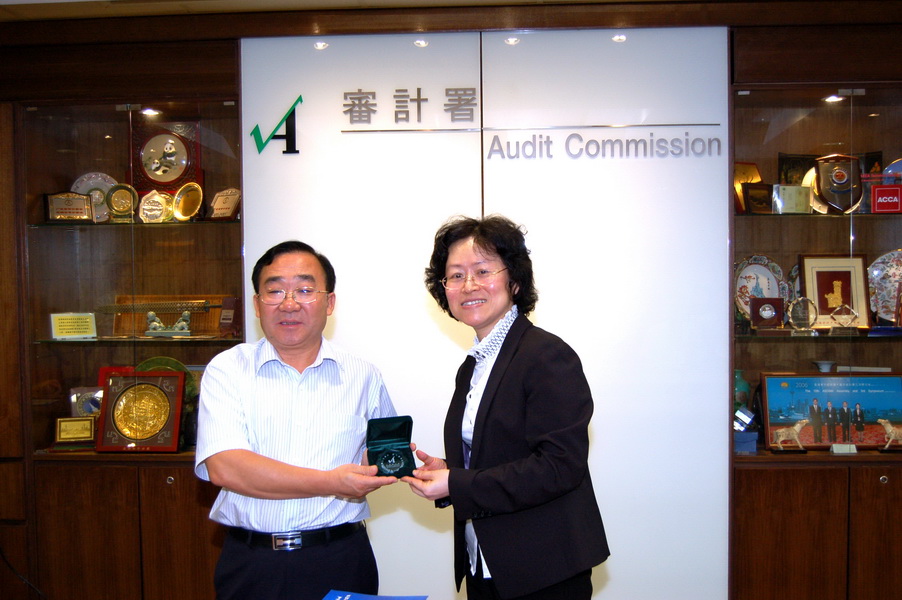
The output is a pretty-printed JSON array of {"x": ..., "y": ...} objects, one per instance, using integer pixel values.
[{"x": 141, "y": 412}]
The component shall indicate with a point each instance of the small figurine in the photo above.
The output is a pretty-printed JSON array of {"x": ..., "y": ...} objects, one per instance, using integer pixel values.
[
  {"x": 892, "y": 433},
  {"x": 790, "y": 434},
  {"x": 153, "y": 322},
  {"x": 183, "y": 324}
]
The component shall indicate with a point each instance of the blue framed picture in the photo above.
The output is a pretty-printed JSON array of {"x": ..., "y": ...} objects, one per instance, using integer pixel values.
[{"x": 815, "y": 411}]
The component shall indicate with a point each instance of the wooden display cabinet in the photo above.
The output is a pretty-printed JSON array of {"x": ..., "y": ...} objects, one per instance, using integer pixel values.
[
  {"x": 125, "y": 528},
  {"x": 78, "y": 266},
  {"x": 815, "y": 529},
  {"x": 812, "y": 526},
  {"x": 120, "y": 525}
]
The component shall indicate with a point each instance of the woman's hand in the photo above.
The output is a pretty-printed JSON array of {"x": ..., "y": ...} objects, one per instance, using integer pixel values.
[
  {"x": 429, "y": 484},
  {"x": 430, "y": 463},
  {"x": 431, "y": 480}
]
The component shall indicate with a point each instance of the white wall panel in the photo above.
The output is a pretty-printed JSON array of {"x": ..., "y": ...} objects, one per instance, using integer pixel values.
[
  {"x": 630, "y": 254},
  {"x": 631, "y": 259}
]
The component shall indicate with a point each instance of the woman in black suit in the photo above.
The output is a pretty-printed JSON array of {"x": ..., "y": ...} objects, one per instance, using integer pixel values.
[
  {"x": 858, "y": 421},
  {"x": 526, "y": 522}
]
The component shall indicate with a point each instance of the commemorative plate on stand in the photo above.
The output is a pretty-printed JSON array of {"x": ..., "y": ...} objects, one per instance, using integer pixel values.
[
  {"x": 95, "y": 185},
  {"x": 758, "y": 277},
  {"x": 884, "y": 277}
]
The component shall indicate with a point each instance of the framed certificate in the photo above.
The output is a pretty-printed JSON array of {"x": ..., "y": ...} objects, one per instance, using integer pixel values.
[
  {"x": 141, "y": 412},
  {"x": 71, "y": 430}
]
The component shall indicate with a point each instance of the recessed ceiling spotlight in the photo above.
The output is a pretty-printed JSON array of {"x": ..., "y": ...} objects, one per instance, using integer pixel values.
[
  {"x": 512, "y": 41},
  {"x": 834, "y": 98},
  {"x": 149, "y": 112},
  {"x": 420, "y": 43},
  {"x": 320, "y": 45},
  {"x": 619, "y": 38}
]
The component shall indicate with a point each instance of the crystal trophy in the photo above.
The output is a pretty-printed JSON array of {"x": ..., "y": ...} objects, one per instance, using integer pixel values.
[{"x": 802, "y": 316}]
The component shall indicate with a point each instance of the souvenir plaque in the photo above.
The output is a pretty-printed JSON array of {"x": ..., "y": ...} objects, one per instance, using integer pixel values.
[
  {"x": 886, "y": 199},
  {"x": 73, "y": 326},
  {"x": 837, "y": 182},
  {"x": 766, "y": 312},
  {"x": 388, "y": 445},
  {"x": 122, "y": 200},
  {"x": 69, "y": 206},
  {"x": 155, "y": 207},
  {"x": 141, "y": 412},
  {"x": 85, "y": 401},
  {"x": 74, "y": 434},
  {"x": 224, "y": 206},
  {"x": 70, "y": 430},
  {"x": 188, "y": 201},
  {"x": 802, "y": 316}
]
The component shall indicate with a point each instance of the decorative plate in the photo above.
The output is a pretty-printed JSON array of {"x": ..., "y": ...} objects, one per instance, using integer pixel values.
[
  {"x": 794, "y": 283},
  {"x": 188, "y": 201},
  {"x": 758, "y": 277},
  {"x": 95, "y": 185},
  {"x": 166, "y": 363},
  {"x": 884, "y": 276},
  {"x": 164, "y": 157},
  {"x": 893, "y": 172}
]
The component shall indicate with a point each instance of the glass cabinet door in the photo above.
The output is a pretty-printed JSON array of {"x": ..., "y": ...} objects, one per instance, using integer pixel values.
[{"x": 125, "y": 263}]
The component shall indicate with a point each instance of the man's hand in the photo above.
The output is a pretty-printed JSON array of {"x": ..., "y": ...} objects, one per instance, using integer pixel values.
[{"x": 356, "y": 481}]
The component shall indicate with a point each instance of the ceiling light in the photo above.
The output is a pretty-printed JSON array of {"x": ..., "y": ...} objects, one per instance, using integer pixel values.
[
  {"x": 619, "y": 38},
  {"x": 420, "y": 43},
  {"x": 512, "y": 41},
  {"x": 833, "y": 98},
  {"x": 320, "y": 45}
]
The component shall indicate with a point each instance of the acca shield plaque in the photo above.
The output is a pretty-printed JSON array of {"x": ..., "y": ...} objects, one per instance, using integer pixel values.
[
  {"x": 388, "y": 445},
  {"x": 837, "y": 182}
]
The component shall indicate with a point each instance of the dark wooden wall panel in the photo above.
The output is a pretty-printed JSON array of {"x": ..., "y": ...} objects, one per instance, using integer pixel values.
[
  {"x": 12, "y": 482},
  {"x": 13, "y": 541},
  {"x": 127, "y": 72},
  {"x": 531, "y": 15},
  {"x": 843, "y": 53},
  {"x": 10, "y": 364}
]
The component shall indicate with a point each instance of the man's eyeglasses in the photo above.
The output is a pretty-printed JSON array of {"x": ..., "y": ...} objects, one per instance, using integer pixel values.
[
  {"x": 300, "y": 295},
  {"x": 482, "y": 277}
]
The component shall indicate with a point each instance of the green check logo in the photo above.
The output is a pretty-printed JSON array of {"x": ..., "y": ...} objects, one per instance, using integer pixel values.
[{"x": 290, "y": 136}]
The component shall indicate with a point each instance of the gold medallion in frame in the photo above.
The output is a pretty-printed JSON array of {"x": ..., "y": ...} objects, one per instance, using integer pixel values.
[{"x": 141, "y": 412}]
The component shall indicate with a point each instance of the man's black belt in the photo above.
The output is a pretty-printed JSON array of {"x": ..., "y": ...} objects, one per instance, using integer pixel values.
[{"x": 294, "y": 540}]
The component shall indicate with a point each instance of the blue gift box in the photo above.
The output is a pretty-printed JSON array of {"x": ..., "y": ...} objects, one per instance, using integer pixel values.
[{"x": 745, "y": 441}]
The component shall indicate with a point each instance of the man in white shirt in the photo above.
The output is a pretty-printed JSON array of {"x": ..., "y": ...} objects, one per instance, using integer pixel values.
[{"x": 282, "y": 429}]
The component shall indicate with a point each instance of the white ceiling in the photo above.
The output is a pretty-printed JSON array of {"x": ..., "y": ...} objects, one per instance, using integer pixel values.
[{"x": 18, "y": 10}]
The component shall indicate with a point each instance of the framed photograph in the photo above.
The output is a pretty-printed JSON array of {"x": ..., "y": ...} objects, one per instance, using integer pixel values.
[
  {"x": 70, "y": 430},
  {"x": 815, "y": 411},
  {"x": 833, "y": 282},
  {"x": 758, "y": 198},
  {"x": 793, "y": 167},
  {"x": 165, "y": 156},
  {"x": 141, "y": 412},
  {"x": 743, "y": 172}
]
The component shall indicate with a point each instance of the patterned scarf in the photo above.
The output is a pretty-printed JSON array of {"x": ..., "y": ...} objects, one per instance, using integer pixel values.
[{"x": 491, "y": 344}]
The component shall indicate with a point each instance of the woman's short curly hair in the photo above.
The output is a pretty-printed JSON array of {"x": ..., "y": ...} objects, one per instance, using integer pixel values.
[{"x": 495, "y": 235}]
